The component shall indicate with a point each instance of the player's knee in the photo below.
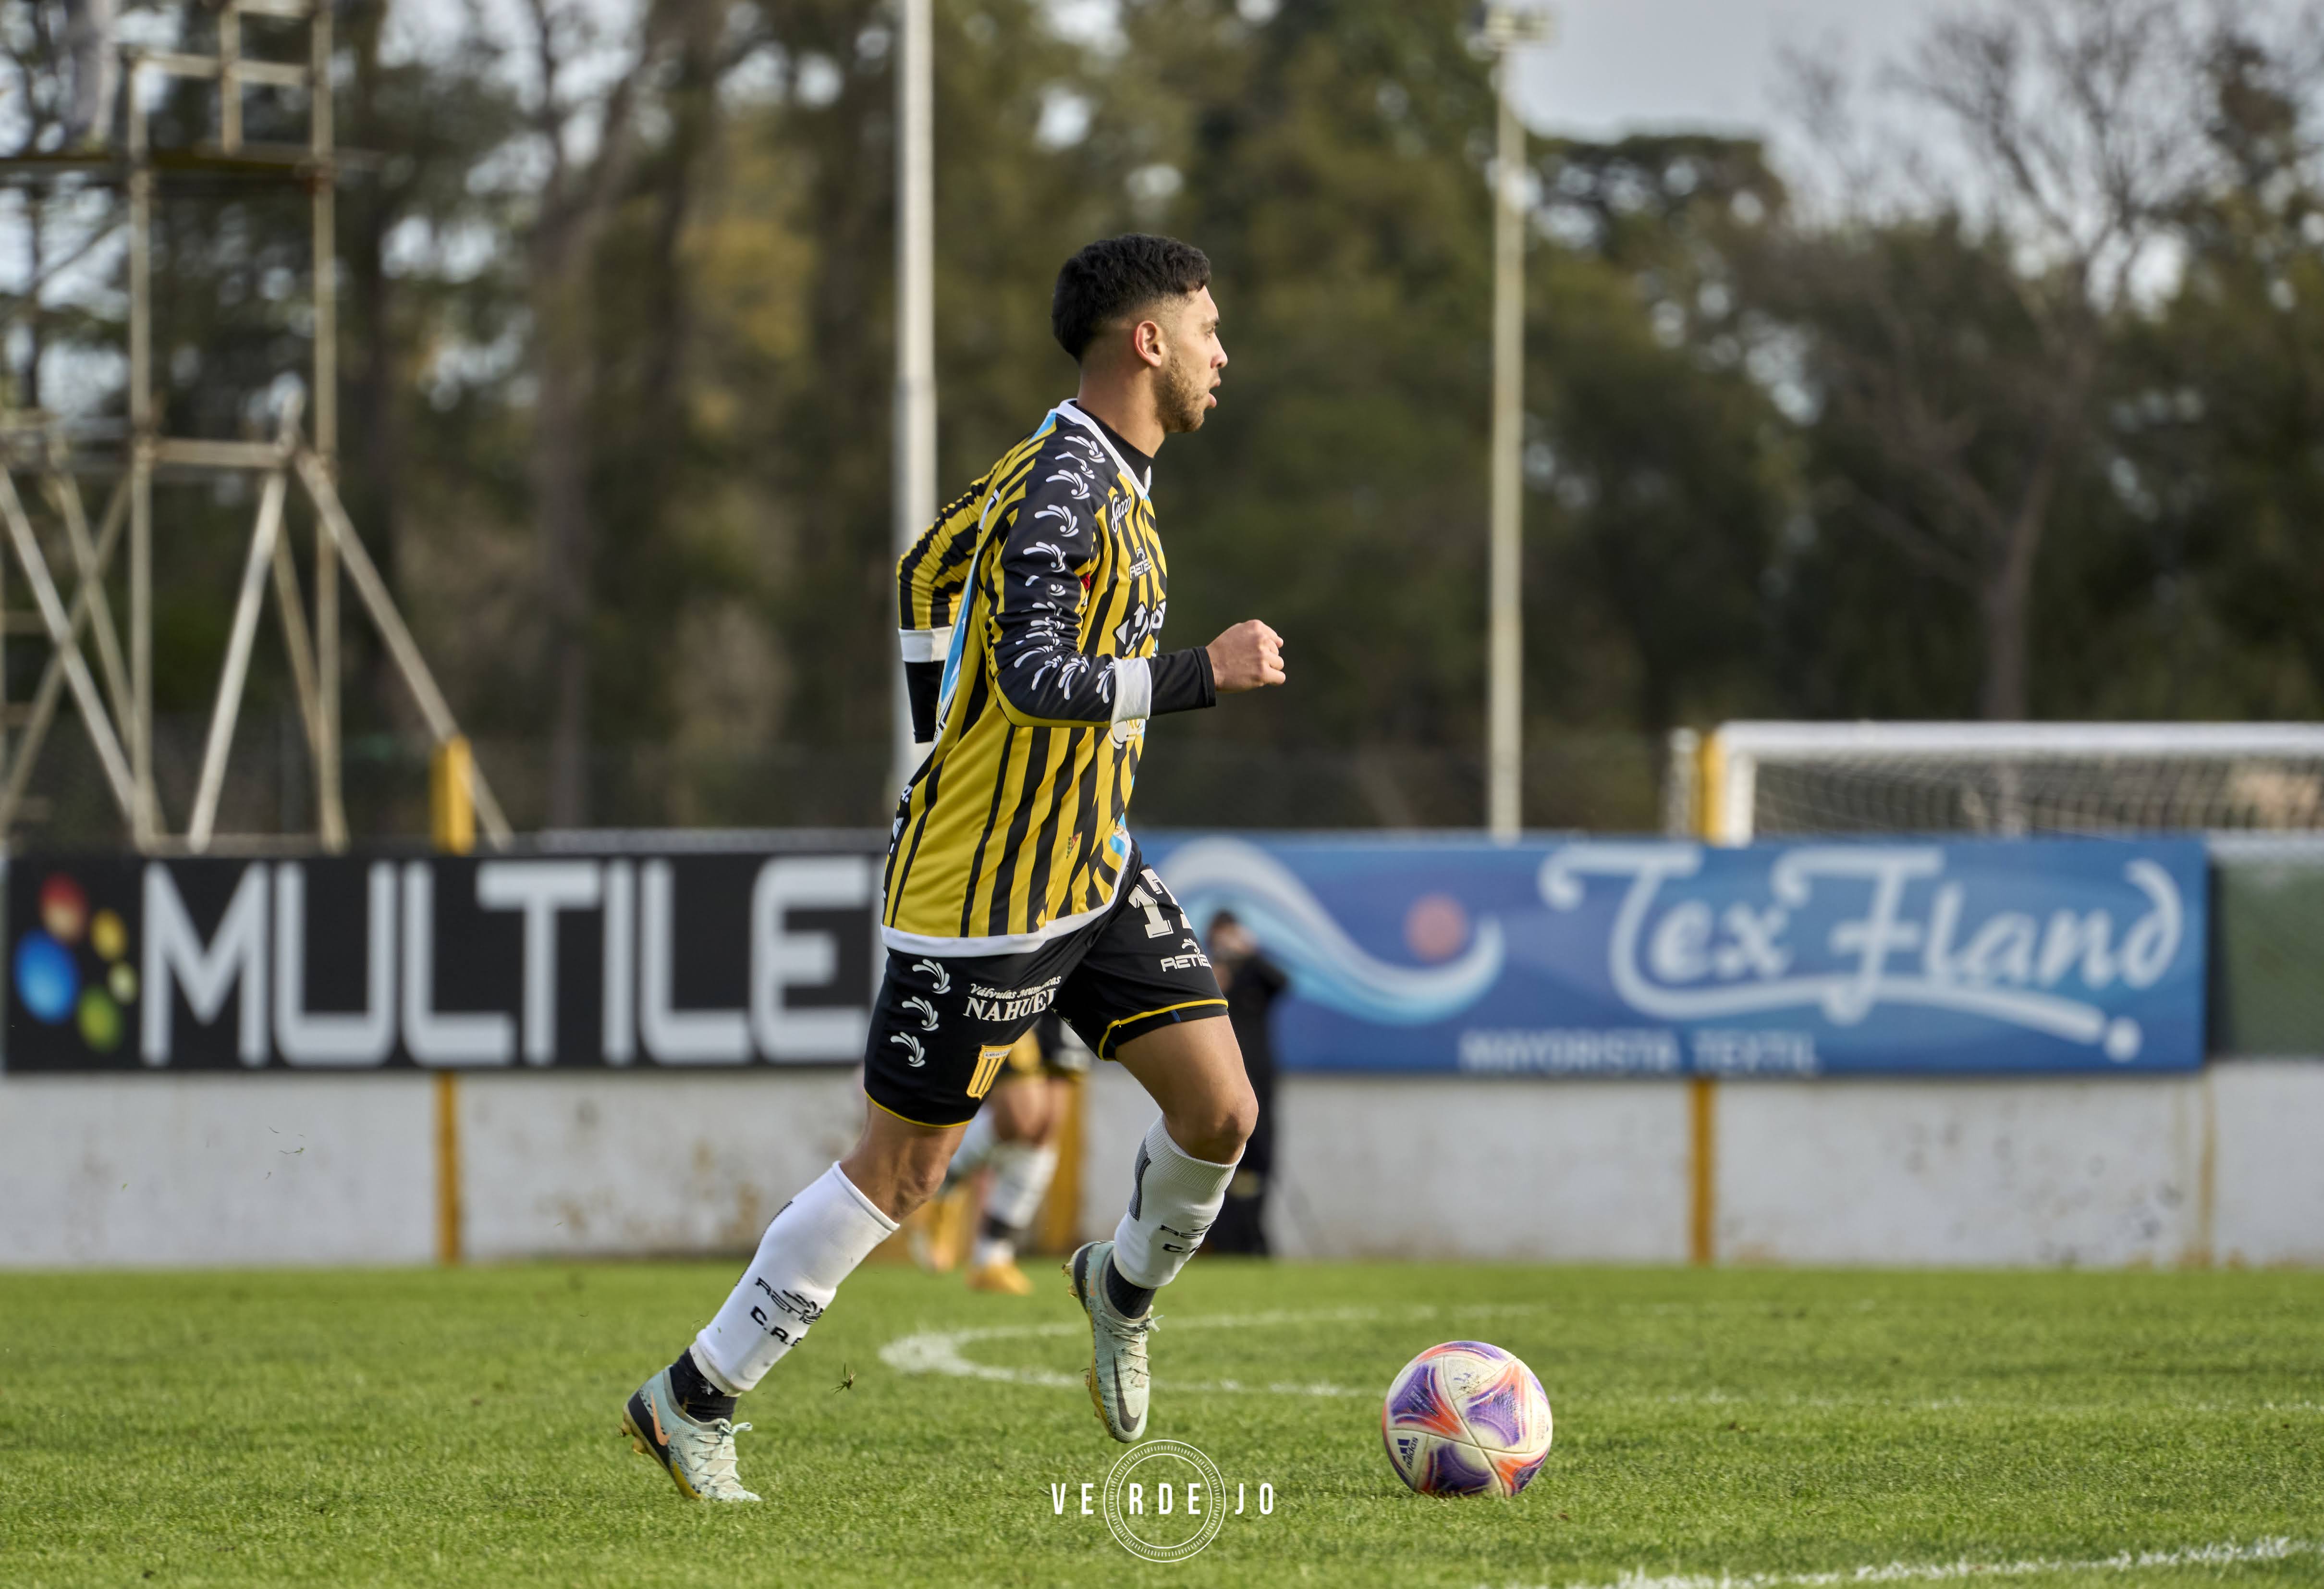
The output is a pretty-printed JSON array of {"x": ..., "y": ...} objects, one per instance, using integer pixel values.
[
  {"x": 918, "y": 1180},
  {"x": 1216, "y": 1130},
  {"x": 1017, "y": 1112},
  {"x": 897, "y": 1177}
]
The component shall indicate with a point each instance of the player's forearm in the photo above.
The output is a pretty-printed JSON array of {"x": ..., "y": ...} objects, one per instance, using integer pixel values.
[
  {"x": 922, "y": 682},
  {"x": 1182, "y": 682},
  {"x": 1053, "y": 689},
  {"x": 1096, "y": 692}
]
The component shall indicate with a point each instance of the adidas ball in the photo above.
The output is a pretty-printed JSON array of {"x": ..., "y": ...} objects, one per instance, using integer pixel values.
[{"x": 1465, "y": 1419}]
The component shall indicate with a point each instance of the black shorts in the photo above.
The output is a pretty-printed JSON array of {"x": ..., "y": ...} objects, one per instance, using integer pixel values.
[{"x": 943, "y": 1028}]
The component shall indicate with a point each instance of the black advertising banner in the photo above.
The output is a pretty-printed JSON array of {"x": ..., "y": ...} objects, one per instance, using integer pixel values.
[{"x": 682, "y": 958}]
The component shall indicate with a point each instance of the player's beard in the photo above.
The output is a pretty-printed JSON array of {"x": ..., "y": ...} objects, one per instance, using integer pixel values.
[{"x": 1184, "y": 398}]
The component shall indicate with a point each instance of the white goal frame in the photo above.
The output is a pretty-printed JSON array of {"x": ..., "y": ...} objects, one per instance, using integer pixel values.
[{"x": 1723, "y": 767}]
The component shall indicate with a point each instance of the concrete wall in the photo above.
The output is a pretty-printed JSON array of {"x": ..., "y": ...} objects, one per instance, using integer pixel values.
[{"x": 175, "y": 1170}]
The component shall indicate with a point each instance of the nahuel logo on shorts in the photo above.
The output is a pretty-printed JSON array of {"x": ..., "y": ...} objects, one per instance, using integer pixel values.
[{"x": 1164, "y": 1500}]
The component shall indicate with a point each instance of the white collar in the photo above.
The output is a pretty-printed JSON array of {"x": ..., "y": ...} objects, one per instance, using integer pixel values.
[{"x": 1075, "y": 411}]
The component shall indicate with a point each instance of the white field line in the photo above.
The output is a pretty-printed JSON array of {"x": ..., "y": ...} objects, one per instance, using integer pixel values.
[
  {"x": 940, "y": 1352},
  {"x": 2231, "y": 1554},
  {"x": 2015, "y": 1406}
]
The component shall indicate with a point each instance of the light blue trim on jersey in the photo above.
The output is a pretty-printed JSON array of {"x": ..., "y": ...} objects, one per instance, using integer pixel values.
[
  {"x": 951, "y": 676},
  {"x": 1067, "y": 410},
  {"x": 951, "y": 671}
]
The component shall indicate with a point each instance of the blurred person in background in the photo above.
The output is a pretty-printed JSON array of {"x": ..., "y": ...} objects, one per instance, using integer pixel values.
[
  {"x": 1251, "y": 983},
  {"x": 1015, "y": 1137}
]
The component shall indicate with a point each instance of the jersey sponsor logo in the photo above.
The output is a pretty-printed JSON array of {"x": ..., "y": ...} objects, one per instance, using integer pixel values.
[
  {"x": 915, "y": 1055},
  {"x": 1006, "y": 1004},
  {"x": 1185, "y": 962},
  {"x": 1142, "y": 622}
]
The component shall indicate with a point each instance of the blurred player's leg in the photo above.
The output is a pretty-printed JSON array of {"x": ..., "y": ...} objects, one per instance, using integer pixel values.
[{"x": 1023, "y": 1160}]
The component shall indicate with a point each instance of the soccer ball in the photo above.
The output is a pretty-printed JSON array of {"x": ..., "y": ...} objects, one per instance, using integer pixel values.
[{"x": 1465, "y": 1419}]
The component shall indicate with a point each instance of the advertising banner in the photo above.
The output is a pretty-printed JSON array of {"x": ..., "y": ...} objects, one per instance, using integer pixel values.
[
  {"x": 1453, "y": 955},
  {"x": 688, "y": 957},
  {"x": 1668, "y": 958}
]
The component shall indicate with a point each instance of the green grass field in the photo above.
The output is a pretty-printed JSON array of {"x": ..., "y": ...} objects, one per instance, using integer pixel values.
[{"x": 459, "y": 1427}]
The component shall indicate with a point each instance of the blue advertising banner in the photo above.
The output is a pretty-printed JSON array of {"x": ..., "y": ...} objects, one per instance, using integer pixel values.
[{"x": 1674, "y": 958}]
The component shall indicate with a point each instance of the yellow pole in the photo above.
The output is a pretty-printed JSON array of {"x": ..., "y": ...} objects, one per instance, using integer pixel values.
[
  {"x": 1702, "y": 1202},
  {"x": 449, "y": 1222},
  {"x": 1059, "y": 1223},
  {"x": 451, "y": 797},
  {"x": 452, "y": 826},
  {"x": 1710, "y": 787}
]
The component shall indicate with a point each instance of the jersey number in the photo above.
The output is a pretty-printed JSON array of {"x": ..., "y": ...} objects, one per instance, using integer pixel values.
[{"x": 1156, "y": 927}]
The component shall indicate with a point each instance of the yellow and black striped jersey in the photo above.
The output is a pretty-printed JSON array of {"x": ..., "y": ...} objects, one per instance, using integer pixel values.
[{"x": 1042, "y": 589}]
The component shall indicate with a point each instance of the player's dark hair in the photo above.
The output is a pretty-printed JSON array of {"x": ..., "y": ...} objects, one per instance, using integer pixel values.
[{"x": 1118, "y": 276}]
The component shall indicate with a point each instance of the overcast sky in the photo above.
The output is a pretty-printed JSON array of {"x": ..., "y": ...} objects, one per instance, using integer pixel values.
[{"x": 1621, "y": 66}]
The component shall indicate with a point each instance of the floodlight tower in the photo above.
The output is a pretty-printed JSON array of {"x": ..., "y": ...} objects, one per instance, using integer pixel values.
[
  {"x": 119, "y": 721},
  {"x": 1505, "y": 28}
]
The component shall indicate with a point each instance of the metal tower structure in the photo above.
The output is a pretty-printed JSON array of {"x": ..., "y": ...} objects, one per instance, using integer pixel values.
[{"x": 119, "y": 717}]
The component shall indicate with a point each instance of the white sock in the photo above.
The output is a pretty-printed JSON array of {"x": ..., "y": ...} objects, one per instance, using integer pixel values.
[
  {"x": 976, "y": 1145},
  {"x": 813, "y": 1244},
  {"x": 1021, "y": 1174},
  {"x": 1173, "y": 1197}
]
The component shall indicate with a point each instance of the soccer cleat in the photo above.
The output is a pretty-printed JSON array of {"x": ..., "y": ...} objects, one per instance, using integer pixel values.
[
  {"x": 1116, "y": 1377},
  {"x": 1003, "y": 1276},
  {"x": 935, "y": 1236},
  {"x": 699, "y": 1457}
]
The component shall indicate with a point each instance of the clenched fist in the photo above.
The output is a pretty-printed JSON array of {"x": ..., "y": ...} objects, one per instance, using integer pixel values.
[{"x": 1247, "y": 656}]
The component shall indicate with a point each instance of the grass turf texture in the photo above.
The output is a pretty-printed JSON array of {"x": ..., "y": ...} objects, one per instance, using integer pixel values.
[{"x": 459, "y": 1427}]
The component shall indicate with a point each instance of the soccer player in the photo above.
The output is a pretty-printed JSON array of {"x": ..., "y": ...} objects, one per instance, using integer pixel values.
[
  {"x": 1014, "y": 1136},
  {"x": 1030, "y": 612}
]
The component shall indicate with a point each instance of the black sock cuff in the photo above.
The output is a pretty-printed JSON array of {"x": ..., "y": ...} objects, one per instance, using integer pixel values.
[
  {"x": 1126, "y": 1299},
  {"x": 697, "y": 1398}
]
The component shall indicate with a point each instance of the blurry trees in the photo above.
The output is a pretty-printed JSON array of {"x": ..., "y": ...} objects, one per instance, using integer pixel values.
[
  {"x": 2028, "y": 429},
  {"x": 1958, "y": 351}
]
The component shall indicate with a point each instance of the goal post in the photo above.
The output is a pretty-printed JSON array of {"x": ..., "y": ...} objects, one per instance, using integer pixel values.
[{"x": 1748, "y": 779}]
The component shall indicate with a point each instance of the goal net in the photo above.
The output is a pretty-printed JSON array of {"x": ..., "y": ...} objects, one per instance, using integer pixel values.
[{"x": 1748, "y": 780}]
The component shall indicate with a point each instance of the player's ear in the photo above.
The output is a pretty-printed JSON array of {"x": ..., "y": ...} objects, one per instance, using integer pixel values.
[{"x": 1147, "y": 342}]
